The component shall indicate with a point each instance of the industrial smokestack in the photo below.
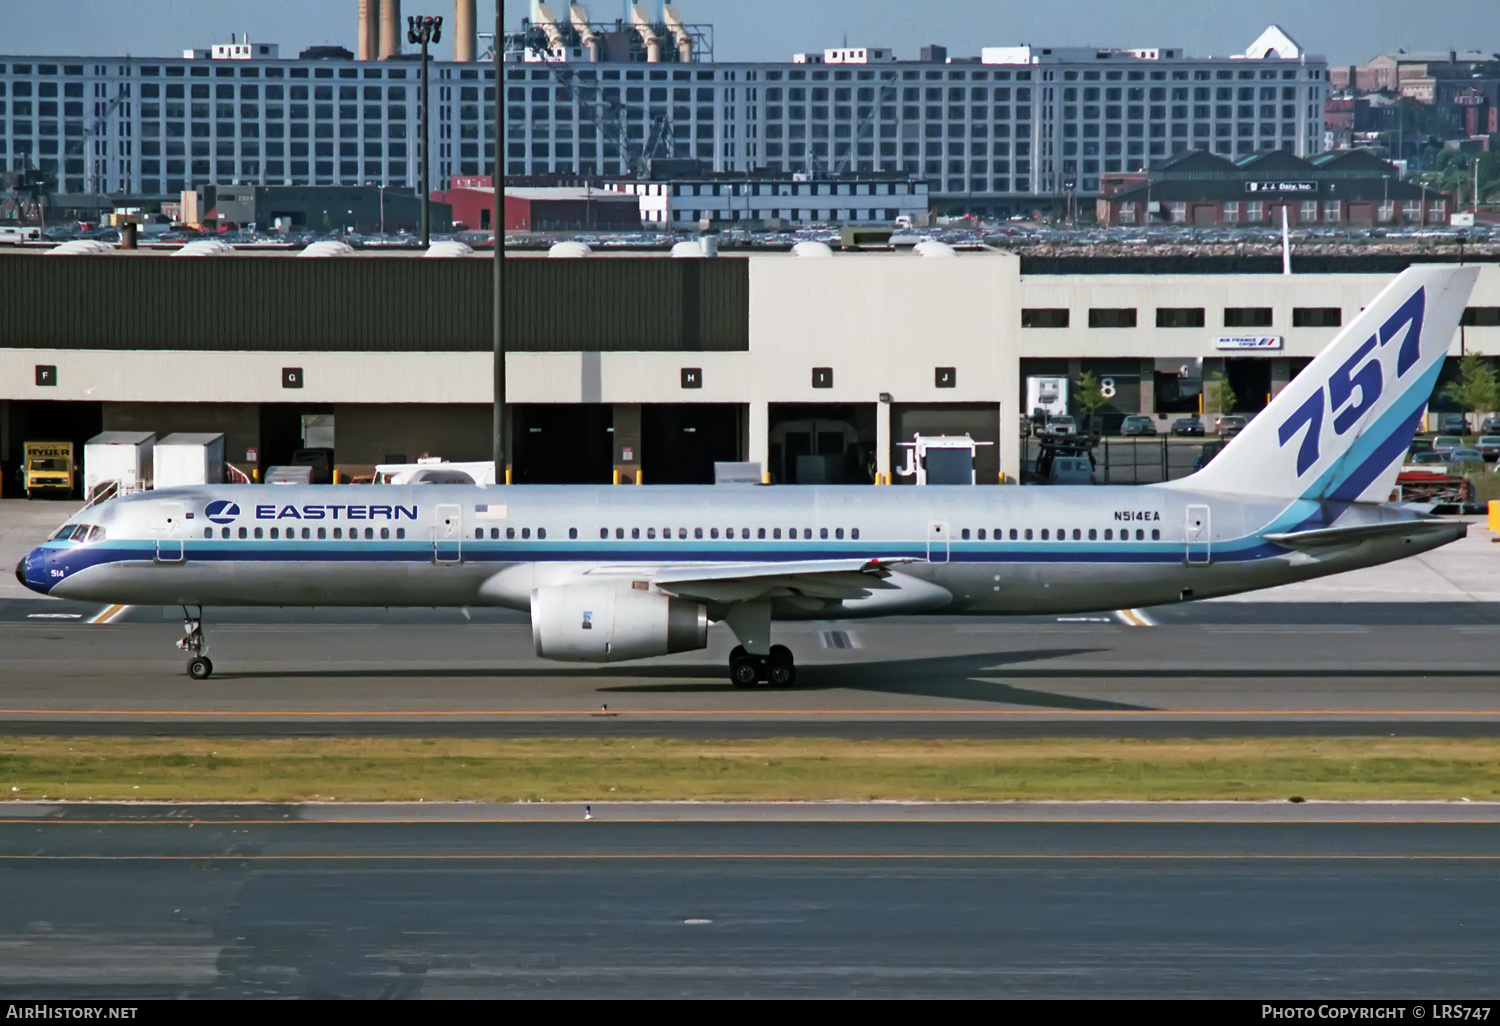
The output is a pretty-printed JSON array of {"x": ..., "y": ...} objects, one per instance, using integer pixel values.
[
  {"x": 369, "y": 26},
  {"x": 391, "y": 31},
  {"x": 679, "y": 33},
  {"x": 641, "y": 22},
  {"x": 580, "y": 19},
  {"x": 464, "y": 33}
]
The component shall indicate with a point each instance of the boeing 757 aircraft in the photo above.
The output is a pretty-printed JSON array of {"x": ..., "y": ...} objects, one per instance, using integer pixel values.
[{"x": 611, "y": 573}]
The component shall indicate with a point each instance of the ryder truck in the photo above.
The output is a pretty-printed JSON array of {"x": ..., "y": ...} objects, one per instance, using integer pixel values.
[{"x": 49, "y": 469}]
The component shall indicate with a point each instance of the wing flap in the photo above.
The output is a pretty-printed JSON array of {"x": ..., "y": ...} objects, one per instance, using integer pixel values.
[{"x": 750, "y": 582}]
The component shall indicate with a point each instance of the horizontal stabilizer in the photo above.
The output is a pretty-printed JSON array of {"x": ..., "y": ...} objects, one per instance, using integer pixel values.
[{"x": 1327, "y": 537}]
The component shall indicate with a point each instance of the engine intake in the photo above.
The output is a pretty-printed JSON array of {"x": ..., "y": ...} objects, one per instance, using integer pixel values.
[{"x": 606, "y": 624}]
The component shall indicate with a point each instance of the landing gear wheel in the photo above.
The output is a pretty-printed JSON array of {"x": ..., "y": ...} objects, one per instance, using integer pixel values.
[
  {"x": 781, "y": 668},
  {"x": 199, "y": 667},
  {"x": 744, "y": 669}
]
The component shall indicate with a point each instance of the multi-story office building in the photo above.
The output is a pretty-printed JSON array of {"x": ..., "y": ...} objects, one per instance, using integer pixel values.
[{"x": 1014, "y": 126}]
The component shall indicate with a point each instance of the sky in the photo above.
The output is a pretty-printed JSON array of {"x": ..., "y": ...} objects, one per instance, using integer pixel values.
[{"x": 1345, "y": 31}]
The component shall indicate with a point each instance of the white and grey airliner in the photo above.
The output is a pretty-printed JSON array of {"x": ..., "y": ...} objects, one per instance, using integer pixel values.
[{"x": 611, "y": 573}]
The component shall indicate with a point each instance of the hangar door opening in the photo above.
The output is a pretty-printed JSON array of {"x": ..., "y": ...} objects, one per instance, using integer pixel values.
[
  {"x": 816, "y": 443},
  {"x": 980, "y": 421},
  {"x": 562, "y": 443},
  {"x": 681, "y": 442},
  {"x": 1250, "y": 378}
]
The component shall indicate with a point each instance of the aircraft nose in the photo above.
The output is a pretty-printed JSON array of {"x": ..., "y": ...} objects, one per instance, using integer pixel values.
[{"x": 32, "y": 572}]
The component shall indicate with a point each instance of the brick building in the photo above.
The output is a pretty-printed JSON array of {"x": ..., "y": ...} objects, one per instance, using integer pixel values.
[{"x": 1351, "y": 187}]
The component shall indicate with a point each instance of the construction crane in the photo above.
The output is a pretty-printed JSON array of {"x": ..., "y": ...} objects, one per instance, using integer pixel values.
[
  {"x": 91, "y": 179},
  {"x": 608, "y": 115},
  {"x": 887, "y": 86}
]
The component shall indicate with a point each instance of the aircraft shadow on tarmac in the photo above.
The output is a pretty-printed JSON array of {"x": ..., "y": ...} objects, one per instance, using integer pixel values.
[{"x": 970, "y": 677}]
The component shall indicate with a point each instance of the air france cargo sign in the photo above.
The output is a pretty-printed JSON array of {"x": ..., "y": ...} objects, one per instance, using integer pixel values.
[
  {"x": 222, "y": 511},
  {"x": 1251, "y": 342}
]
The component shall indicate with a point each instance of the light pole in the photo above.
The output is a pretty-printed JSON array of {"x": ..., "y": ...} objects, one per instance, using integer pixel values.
[
  {"x": 497, "y": 225},
  {"x": 425, "y": 30}
]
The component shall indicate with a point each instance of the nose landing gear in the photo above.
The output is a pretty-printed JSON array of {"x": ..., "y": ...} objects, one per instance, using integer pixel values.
[
  {"x": 778, "y": 668},
  {"x": 199, "y": 667}
]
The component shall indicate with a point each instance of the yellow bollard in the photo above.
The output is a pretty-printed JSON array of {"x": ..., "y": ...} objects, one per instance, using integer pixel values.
[
  {"x": 640, "y": 477},
  {"x": 335, "y": 475},
  {"x": 617, "y": 476},
  {"x": 1495, "y": 516},
  {"x": 765, "y": 477},
  {"x": 507, "y": 475},
  {"x": 255, "y": 475}
]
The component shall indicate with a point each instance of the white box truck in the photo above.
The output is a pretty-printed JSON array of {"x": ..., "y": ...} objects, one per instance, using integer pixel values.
[
  {"x": 188, "y": 458},
  {"x": 118, "y": 458}
]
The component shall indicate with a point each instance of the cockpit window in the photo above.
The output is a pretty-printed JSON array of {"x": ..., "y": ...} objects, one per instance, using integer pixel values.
[
  {"x": 81, "y": 532},
  {"x": 96, "y": 534},
  {"x": 63, "y": 533}
]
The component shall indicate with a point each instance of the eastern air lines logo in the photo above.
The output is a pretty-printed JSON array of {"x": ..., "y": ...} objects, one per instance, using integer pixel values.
[{"x": 221, "y": 511}]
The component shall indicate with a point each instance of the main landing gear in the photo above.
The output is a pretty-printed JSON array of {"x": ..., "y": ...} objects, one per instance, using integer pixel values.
[
  {"x": 199, "y": 667},
  {"x": 778, "y": 668}
]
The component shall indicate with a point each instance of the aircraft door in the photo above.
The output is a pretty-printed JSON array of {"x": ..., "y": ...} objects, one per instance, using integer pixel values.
[
  {"x": 937, "y": 541},
  {"x": 170, "y": 529},
  {"x": 447, "y": 535},
  {"x": 1198, "y": 533}
]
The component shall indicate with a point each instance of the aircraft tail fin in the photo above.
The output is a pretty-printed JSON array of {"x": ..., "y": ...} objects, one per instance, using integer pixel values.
[{"x": 1340, "y": 429}]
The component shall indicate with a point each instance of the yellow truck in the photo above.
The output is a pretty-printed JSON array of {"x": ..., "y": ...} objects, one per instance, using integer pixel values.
[{"x": 49, "y": 469}]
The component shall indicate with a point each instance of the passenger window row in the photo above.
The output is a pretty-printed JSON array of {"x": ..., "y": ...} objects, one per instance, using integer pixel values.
[
  {"x": 1062, "y": 534},
  {"x": 307, "y": 533},
  {"x": 698, "y": 533}
]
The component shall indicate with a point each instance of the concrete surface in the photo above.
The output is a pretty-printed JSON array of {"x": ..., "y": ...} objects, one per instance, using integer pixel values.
[{"x": 109, "y": 907}]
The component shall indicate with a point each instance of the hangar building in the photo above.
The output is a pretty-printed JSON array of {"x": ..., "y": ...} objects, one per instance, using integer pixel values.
[{"x": 639, "y": 364}]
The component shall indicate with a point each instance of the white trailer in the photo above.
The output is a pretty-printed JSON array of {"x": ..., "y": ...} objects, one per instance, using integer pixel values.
[
  {"x": 118, "y": 458},
  {"x": 189, "y": 458}
]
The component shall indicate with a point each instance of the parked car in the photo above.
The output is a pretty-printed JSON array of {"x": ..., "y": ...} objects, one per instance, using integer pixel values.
[
  {"x": 1446, "y": 443},
  {"x": 1426, "y": 459},
  {"x": 1488, "y": 447},
  {"x": 1187, "y": 426},
  {"x": 1071, "y": 470},
  {"x": 1062, "y": 426},
  {"x": 1137, "y": 424},
  {"x": 1229, "y": 424},
  {"x": 1491, "y": 426},
  {"x": 1462, "y": 459},
  {"x": 320, "y": 460},
  {"x": 1452, "y": 424}
]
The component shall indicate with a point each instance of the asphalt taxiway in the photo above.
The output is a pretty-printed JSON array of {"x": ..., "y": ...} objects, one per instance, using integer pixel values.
[
  {"x": 257, "y": 901},
  {"x": 1206, "y": 669}
]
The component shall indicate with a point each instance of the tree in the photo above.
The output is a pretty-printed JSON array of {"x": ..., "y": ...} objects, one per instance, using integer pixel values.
[
  {"x": 1218, "y": 397},
  {"x": 1477, "y": 388},
  {"x": 1088, "y": 396}
]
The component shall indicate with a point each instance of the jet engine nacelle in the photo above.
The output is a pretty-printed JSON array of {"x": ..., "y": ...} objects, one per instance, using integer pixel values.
[{"x": 605, "y": 624}]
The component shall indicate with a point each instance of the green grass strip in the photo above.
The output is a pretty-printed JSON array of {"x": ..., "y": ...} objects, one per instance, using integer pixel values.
[{"x": 386, "y": 769}]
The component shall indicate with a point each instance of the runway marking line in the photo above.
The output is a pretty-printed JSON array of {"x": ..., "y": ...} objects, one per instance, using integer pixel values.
[
  {"x": 860, "y": 715},
  {"x": 771, "y": 857},
  {"x": 109, "y": 614},
  {"x": 632, "y": 821}
]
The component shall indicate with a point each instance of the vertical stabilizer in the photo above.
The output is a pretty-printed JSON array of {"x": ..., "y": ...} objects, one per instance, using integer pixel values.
[{"x": 1339, "y": 430}]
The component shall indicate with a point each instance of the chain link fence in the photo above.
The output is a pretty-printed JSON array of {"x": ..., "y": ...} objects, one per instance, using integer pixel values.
[{"x": 1127, "y": 460}]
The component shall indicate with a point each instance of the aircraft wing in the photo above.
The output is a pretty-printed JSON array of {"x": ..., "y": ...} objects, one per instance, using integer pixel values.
[
  {"x": 1329, "y": 537},
  {"x": 752, "y": 582}
]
